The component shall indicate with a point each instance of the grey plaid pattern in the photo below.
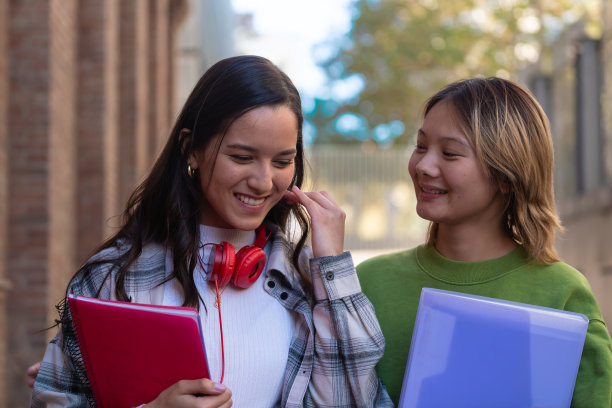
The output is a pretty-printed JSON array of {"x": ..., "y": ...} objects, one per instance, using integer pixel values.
[{"x": 333, "y": 354}]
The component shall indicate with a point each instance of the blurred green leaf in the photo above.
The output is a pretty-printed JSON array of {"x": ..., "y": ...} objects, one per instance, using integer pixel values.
[{"x": 405, "y": 50}]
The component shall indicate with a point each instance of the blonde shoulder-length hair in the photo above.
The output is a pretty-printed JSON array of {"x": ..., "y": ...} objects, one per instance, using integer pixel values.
[{"x": 510, "y": 134}]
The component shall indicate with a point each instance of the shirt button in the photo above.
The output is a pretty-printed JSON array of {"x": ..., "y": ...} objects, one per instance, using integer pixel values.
[
  {"x": 284, "y": 296},
  {"x": 271, "y": 284},
  {"x": 329, "y": 276}
]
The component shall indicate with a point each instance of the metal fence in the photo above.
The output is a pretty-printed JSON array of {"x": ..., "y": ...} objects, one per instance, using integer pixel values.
[{"x": 374, "y": 189}]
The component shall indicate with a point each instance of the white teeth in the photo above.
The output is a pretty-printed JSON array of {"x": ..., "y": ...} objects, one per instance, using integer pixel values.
[
  {"x": 426, "y": 190},
  {"x": 249, "y": 200}
]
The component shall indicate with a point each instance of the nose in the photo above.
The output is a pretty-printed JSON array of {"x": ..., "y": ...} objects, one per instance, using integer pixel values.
[
  {"x": 426, "y": 164},
  {"x": 261, "y": 179}
]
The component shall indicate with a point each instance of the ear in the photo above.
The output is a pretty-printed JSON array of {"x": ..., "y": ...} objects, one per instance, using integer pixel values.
[
  {"x": 185, "y": 141},
  {"x": 504, "y": 187}
]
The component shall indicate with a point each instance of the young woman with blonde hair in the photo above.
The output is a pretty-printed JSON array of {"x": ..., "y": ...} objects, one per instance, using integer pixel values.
[{"x": 482, "y": 171}]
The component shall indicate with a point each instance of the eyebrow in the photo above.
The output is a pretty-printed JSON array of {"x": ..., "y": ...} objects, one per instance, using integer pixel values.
[
  {"x": 447, "y": 138},
  {"x": 252, "y": 149}
]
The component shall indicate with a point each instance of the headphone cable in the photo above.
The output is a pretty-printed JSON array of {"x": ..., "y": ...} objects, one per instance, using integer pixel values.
[
  {"x": 221, "y": 331},
  {"x": 218, "y": 297}
]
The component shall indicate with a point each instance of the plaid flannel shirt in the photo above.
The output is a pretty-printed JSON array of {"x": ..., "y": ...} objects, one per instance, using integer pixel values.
[{"x": 333, "y": 353}]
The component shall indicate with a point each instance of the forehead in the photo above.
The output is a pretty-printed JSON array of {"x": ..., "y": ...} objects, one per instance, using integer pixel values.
[
  {"x": 441, "y": 123},
  {"x": 273, "y": 124}
]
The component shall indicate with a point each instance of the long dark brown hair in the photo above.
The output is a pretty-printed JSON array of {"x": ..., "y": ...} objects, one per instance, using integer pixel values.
[{"x": 164, "y": 208}]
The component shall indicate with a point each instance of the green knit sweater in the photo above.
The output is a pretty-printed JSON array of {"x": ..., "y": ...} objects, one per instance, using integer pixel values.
[{"x": 393, "y": 283}]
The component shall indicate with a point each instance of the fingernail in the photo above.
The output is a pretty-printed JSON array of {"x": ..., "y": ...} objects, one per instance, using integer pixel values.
[
  {"x": 296, "y": 187},
  {"x": 219, "y": 387}
]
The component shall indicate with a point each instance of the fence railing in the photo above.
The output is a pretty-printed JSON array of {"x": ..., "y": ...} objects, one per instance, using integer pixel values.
[{"x": 374, "y": 189}]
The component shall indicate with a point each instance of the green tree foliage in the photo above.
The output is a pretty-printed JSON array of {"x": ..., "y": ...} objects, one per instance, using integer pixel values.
[{"x": 403, "y": 51}]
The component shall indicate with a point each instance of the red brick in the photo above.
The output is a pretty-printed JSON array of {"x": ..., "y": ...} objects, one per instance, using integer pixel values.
[{"x": 73, "y": 144}]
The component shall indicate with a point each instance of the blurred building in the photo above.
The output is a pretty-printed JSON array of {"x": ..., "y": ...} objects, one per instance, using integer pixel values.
[
  {"x": 575, "y": 88},
  {"x": 87, "y": 97},
  {"x": 205, "y": 37}
]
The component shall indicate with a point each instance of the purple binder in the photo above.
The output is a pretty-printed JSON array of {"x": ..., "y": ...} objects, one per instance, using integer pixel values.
[{"x": 473, "y": 351}]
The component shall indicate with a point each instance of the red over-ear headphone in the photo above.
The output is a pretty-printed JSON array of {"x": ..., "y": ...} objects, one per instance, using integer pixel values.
[{"x": 242, "y": 268}]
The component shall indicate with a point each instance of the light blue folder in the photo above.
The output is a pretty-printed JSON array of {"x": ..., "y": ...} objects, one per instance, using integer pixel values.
[{"x": 476, "y": 352}]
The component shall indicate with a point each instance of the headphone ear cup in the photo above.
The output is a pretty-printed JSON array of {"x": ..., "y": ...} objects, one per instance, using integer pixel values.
[
  {"x": 250, "y": 262},
  {"x": 223, "y": 268}
]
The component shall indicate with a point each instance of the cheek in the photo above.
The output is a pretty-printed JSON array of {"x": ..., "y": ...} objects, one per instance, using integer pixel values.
[
  {"x": 479, "y": 176},
  {"x": 222, "y": 178},
  {"x": 283, "y": 178},
  {"x": 412, "y": 166},
  {"x": 204, "y": 180}
]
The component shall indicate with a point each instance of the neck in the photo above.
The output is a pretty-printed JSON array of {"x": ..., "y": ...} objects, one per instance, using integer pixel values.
[
  {"x": 473, "y": 243},
  {"x": 236, "y": 237}
]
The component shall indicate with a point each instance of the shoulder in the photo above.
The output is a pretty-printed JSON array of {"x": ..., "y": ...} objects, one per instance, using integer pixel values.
[
  {"x": 282, "y": 246},
  {"x": 565, "y": 275},
  {"x": 389, "y": 261},
  {"x": 578, "y": 293},
  {"x": 280, "y": 253},
  {"x": 101, "y": 269},
  {"x": 279, "y": 240}
]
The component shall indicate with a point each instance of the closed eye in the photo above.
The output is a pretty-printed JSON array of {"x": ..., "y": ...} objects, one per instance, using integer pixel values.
[
  {"x": 283, "y": 163},
  {"x": 241, "y": 158}
]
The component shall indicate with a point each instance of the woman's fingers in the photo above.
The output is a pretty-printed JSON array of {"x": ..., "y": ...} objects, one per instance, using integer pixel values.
[
  {"x": 308, "y": 199},
  {"x": 327, "y": 220},
  {"x": 202, "y": 386},
  {"x": 32, "y": 373},
  {"x": 193, "y": 393},
  {"x": 290, "y": 198}
]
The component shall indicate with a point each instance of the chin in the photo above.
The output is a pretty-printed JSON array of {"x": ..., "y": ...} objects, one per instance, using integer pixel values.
[{"x": 424, "y": 214}]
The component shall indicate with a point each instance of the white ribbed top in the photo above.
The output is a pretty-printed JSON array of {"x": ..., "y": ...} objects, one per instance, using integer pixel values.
[{"x": 257, "y": 329}]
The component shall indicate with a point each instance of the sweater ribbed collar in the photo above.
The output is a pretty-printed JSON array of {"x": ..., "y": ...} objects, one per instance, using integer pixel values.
[
  {"x": 468, "y": 273},
  {"x": 236, "y": 237}
]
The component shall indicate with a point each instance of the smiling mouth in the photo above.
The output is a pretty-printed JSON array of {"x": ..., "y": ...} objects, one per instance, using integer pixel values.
[
  {"x": 432, "y": 191},
  {"x": 249, "y": 200}
]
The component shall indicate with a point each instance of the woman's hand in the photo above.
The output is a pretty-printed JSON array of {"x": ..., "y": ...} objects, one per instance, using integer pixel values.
[
  {"x": 202, "y": 393},
  {"x": 327, "y": 220},
  {"x": 32, "y": 373}
]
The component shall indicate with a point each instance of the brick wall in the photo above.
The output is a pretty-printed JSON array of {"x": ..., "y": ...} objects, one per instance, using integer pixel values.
[
  {"x": 62, "y": 152},
  {"x": 127, "y": 103},
  {"x": 79, "y": 127},
  {"x": 162, "y": 75},
  {"x": 90, "y": 125},
  {"x": 143, "y": 86},
  {"x": 28, "y": 124},
  {"x": 3, "y": 195},
  {"x": 112, "y": 96}
]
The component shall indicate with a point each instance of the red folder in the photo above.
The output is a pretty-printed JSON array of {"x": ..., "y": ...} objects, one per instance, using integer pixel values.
[{"x": 133, "y": 351}]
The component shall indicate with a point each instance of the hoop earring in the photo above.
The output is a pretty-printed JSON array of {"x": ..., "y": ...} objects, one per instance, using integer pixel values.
[{"x": 190, "y": 171}]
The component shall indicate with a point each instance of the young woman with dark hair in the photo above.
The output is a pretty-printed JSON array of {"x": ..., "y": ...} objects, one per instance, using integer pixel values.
[{"x": 300, "y": 334}]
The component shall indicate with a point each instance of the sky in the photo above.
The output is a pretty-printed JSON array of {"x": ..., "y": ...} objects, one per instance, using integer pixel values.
[{"x": 288, "y": 32}]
